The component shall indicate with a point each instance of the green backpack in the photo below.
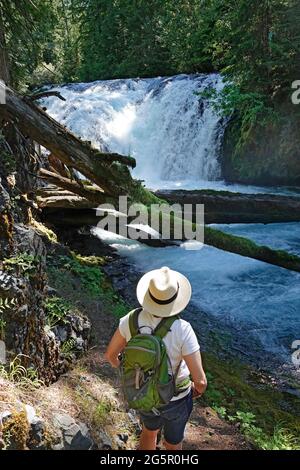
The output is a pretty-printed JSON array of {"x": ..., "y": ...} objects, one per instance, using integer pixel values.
[{"x": 146, "y": 381}]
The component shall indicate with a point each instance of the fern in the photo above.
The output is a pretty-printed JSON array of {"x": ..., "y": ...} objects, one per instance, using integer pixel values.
[
  {"x": 24, "y": 262},
  {"x": 56, "y": 310},
  {"x": 68, "y": 347},
  {"x": 7, "y": 304}
]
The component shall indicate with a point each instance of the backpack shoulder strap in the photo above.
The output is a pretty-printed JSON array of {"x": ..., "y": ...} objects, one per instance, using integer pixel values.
[
  {"x": 164, "y": 326},
  {"x": 134, "y": 321}
]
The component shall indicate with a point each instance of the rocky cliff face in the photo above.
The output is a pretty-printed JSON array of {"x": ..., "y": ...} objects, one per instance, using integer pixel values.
[
  {"x": 270, "y": 155},
  {"x": 23, "y": 282}
]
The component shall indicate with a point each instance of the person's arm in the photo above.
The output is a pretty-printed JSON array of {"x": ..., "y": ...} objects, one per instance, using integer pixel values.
[
  {"x": 194, "y": 363},
  {"x": 115, "y": 347}
]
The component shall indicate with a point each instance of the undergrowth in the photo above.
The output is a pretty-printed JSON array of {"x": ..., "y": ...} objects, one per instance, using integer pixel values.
[
  {"x": 24, "y": 377},
  {"x": 56, "y": 309},
  {"x": 92, "y": 280},
  {"x": 261, "y": 412}
]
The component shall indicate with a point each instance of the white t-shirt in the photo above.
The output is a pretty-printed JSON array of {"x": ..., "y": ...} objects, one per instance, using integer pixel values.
[{"x": 180, "y": 341}]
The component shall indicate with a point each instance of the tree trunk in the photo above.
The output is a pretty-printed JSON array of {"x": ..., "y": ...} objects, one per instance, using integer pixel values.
[
  {"x": 91, "y": 193},
  {"x": 4, "y": 68},
  {"x": 107, "y": 170}
]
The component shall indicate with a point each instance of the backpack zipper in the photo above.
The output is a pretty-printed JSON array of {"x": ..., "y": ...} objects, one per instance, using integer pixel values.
[{"x": 140, "y": 348}]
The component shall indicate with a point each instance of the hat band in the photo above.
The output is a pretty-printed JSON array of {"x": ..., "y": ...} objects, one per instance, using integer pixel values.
[{"x": 164, "y": 302}]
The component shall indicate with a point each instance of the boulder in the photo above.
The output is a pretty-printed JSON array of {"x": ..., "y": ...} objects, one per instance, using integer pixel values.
[
  {"x": 105, "y": 441},
  {"x": 72, "y": 435},
  {"x": 37, "y": 435}
]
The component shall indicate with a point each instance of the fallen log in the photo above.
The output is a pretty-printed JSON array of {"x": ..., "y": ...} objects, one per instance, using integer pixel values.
[
  {"x": 91, "y": 193},
  {"x": 212, "y": 237},
  {"x": 224, "y": 207},
  {"x": 107, "y": 170},
  {"x": 245, "y": 247},
  {"x": 64, "y": 201},
  {"x": 45, "y": 94}
]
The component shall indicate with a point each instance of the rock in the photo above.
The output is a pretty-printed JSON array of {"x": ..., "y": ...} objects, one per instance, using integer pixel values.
[
  {"x": 80, "y": 344},
  {"x": 73, "y": 436},
  {"x": 60, "y": 333},
  {"x": 119, "y": 443},
  {"x": 29, "y": 241},
  {"x": 29, "y": 410},
  {"x": 36, "y": 439},
  {"x": 105, "y": 441},
  {"x": 135, "y": 421},
  {"x": 4, "y": 198},
  {"x": 30, "y": 414},
  {"x": 51, "y": 292},
  {"x": 123, "y": 437},
  {"x": 4, "y": 416},
  {"x": 77, "y": 328}
]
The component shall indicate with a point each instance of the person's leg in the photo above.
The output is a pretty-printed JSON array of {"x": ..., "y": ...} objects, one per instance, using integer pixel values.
[
  {"x": 169, "y": 446},
  {"x": 174, "y": 422},
  {"x": 148, "y": 439}
]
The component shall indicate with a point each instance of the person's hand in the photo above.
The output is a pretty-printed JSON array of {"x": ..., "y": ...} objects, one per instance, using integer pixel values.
[{"x": 195, "y": 392}]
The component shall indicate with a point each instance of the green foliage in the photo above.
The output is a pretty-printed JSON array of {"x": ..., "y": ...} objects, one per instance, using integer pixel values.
[
  {"x": 92, "y": 281},
  {"x": 28, "y": 35},
  {"x": 7, "y": 159},
  {"x": 68, "y": 347},
  {"x": 2, "y": 328},
  {"x": 280, "y": 439},
  {"x": 56, "y": 310},
  {"x": 5, "y": 304},
  {"x": 91, "y": 276},
  {"x": 238, "y": 396},
  {"x": 26, "y": 378},
  {"x": 23, "y": 262},
  {"x": 102, "y": 410}
]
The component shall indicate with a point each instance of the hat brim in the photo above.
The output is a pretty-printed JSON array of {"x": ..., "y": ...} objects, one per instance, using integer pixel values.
[{"x": 167, "y": 310}]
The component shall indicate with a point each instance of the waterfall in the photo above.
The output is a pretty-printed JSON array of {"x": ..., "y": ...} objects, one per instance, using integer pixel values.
[{"x": 163, "y": 122}]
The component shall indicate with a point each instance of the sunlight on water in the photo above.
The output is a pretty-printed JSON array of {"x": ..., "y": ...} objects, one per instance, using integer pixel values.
[{"x": 172, "y": 132}]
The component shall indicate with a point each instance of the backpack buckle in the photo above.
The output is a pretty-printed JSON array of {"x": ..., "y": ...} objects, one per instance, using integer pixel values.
[
  {"x": 137, "y": 377},
  {"x": 155, "y": 411}
]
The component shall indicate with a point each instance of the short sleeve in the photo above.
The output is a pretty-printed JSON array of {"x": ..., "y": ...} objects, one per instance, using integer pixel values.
[
  {"x": 190, "y": 342},
  {"x": 124, "y": 327}
]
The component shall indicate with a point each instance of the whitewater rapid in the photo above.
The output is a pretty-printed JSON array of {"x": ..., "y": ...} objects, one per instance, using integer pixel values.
[{"x": 172, "y": 131}]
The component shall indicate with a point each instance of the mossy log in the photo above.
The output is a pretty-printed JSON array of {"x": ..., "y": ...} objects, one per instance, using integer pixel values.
[
  {"x": 245, "y": 247},
  {"x": 213, "y": 237},
  {"x": 228, "y": 207}
]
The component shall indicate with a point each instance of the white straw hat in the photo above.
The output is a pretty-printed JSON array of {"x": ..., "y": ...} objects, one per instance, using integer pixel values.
[{"x": 163, "y": 292}]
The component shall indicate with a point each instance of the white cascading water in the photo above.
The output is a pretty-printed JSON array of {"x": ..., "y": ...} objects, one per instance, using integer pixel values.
[{"x": 173, "y": 133}]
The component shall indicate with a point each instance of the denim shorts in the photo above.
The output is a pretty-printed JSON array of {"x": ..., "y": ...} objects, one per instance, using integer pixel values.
[{"x": 172, "y": 419}]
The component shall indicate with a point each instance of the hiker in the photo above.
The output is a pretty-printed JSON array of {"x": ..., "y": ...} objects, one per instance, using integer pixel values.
[{"x": 159, "y": 352}]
